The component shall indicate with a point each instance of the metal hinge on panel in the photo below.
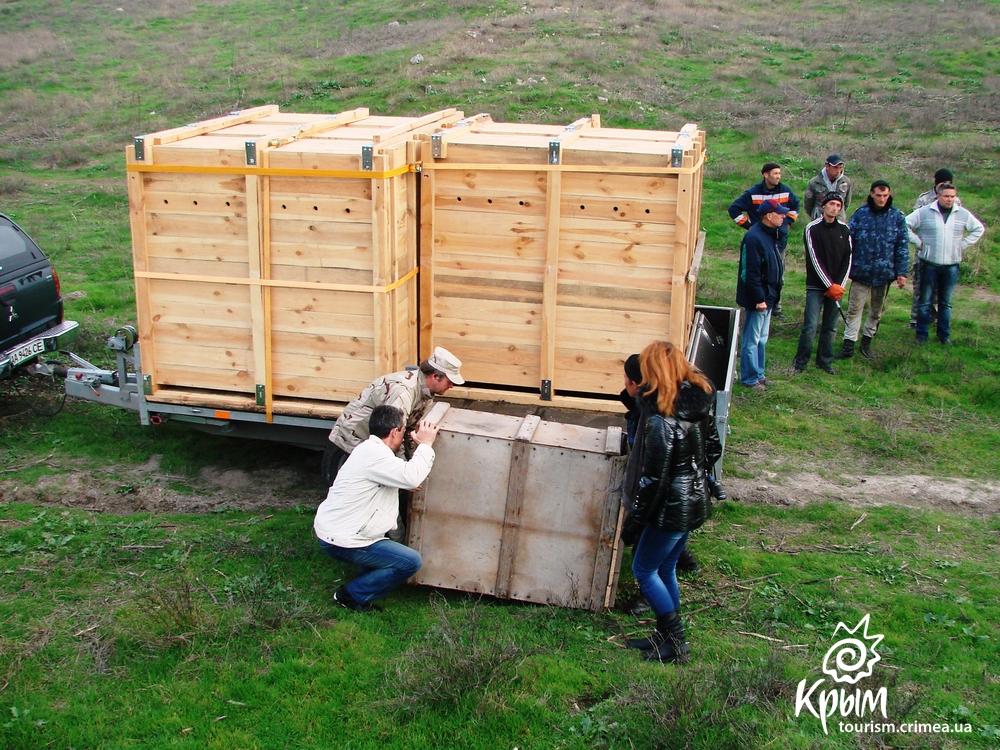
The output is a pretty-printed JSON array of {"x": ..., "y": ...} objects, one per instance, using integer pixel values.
[
  {"x": 260, "y": 395},
  {"x": 147, "y": 386},
  {"x": 367, "y": 155},
  {"x": 676, "y": 157},
  {"x": 140, "y": 151},
  {"x": 436, "y": 145},
  {"x": 553, "y": 152},
  {"x": 251, "y": 147},
  {"x": 546, "y": 390}
]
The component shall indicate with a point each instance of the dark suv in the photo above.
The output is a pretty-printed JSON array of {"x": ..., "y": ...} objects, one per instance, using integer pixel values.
[{"x": 31, "y": 308}]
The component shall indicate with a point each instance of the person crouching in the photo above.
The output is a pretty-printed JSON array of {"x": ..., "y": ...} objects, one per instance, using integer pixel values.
[{"x": 362, "y": 505}]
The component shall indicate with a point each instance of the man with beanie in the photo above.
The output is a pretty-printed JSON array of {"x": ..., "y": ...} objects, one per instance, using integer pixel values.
[
  {"x": 758, "y": 290},
  {"x": 828, "y": 263},
  {"x": 745, "y": 209},
  {"x": 941, "y": 231},
  {"x": 881, "y": 256},
  {"x": 831, "y": 179},
  {"x": 925, "y": 199}
]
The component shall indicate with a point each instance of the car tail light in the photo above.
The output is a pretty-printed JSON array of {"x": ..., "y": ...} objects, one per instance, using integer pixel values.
[
  {"x": 7, "y": 290},
  {"x": 55, "y": 276}
]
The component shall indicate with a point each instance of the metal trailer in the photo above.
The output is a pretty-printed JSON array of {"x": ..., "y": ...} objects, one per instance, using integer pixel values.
[
  {"x": 712, "y": 348},
  {"x": 524, "y": 501}
]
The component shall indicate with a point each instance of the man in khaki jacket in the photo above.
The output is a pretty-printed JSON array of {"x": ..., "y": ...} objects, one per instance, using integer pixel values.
[{"x": 411, "y": 391}]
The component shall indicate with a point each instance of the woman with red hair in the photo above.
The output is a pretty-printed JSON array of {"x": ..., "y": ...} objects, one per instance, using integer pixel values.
[{"x": 672, "y": 497}]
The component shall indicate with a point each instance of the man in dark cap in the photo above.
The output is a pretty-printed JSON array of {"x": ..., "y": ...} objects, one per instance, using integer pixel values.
[
  {"x": 831, "y": 179},
  {"x": 942, "y": 176},
  {"x": 744, "y": 210},
  {"x": 758, "y": 290},
  {"x": 828, "y": 262},
  {"x": 881, "y": 257}
]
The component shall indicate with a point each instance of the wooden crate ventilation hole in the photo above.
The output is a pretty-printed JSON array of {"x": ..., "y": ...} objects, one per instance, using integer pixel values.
[
  {"x": 549, "y": 254},
  {"x": 276, "y": 257}
]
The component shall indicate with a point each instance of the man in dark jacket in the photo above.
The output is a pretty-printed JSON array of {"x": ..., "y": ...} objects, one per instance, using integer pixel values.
[
  {"x": 881, "y": 256},
  {"x": 744, "y": 210},
  {"x": 828, "y": 262},
  {"x": 758, "y": 289}
]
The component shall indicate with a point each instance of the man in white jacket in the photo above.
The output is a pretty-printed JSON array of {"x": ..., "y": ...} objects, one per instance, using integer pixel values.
[
  {"x": 941, "y": 231},
  {"x": 361, "y": 508}
]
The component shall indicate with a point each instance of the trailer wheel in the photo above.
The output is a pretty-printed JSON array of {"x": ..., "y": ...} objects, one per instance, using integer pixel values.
[{"x": 333, "y": 459}]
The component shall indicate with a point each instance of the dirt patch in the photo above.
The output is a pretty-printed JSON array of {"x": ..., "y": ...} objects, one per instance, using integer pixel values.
[
  {"x": 967, "y": 497},
  {"x": 146, "y": 489}
]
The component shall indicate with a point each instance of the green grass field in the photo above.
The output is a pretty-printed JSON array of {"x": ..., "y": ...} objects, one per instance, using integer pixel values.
[{"x": 215, "y": 630}]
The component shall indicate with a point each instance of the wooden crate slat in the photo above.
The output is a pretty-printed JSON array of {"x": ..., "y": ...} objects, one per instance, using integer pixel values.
[
  {"x": 230, "y": 250},
  {"x": 358, "y": 257}
]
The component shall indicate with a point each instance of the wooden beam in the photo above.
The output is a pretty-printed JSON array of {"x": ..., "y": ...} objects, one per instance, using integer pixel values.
[
  {"x": 550, "y": 280},
  {"x": 416, "y": 124},
  {"x": 315, "y": 128},
  {"x": 382, "y": 234},
  {"x": 140, "y": 262},
  {"x": 425, "y": 254},
  {"x": 210, "y": 126},
  {"x": 515, "y": 499},
  {"x": 604, "y": 559}
]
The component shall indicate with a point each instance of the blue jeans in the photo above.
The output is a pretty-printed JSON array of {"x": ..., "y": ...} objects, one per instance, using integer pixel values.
[
  {"x": 655, "y": 568},
  {"x": 824, "y": 355},
  {"x": 755, "y": 331},
  {"x": 945, "y": 277},
  {"x": 383, "y": 566}
]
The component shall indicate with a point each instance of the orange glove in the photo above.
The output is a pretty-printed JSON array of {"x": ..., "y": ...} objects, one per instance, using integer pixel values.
[{"x": 834, "y": 292}]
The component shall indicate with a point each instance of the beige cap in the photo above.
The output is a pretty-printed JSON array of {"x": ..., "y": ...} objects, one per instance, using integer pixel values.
[{"x": 444, "y": 361}]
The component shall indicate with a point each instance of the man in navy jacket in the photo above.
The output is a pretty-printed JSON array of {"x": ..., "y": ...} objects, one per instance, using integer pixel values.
[
  {"x": 744, "y": 210},
  {"x": 758, "y": 289}
]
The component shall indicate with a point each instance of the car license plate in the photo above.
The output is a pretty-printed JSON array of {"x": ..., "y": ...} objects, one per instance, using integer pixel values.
[{"x": 29, "y": 350}]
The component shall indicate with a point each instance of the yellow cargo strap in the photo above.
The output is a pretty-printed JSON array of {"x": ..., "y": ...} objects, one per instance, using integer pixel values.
[
  {"x": 273, "y": 171},
  {"x": 319, "y": 285}
]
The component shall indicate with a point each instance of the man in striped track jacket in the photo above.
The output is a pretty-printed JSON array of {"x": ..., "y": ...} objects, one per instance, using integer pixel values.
[{"x": 828, "y": 264}]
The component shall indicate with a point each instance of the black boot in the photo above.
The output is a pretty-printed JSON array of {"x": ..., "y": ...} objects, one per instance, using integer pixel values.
[
  {"x": 674, "y": 647},
  {"x": 687, "y": 563},
  {"x": 848, "y": 351},
  {"x": 866, "y": 347},
  {"x": 656, "y": 640}
]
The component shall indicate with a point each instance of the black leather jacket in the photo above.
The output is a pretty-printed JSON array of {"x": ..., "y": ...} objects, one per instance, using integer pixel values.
[{"x": 677, "y": 454}]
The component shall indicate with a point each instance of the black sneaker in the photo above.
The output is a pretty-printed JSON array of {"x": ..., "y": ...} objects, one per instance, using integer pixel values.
[
  {"x": 827, "y": 369},
  {"x": 344, "y": 599}
]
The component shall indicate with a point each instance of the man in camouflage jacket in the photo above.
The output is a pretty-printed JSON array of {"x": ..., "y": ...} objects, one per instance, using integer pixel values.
[{"x": 412, "y": 391}]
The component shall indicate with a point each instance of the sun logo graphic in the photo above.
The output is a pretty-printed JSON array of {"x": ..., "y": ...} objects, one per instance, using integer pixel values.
[{"x": 848, "y": 660}]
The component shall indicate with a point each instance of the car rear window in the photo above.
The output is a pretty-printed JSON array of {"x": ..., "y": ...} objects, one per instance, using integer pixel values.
[{"x": 16, "y": 248}]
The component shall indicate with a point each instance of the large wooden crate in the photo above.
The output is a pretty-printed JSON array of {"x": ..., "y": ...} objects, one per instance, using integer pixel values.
[
  {"x": 549, "y": 254},
  {"x": 275, "y": 257},
  {"x": 521, "y": 508}
]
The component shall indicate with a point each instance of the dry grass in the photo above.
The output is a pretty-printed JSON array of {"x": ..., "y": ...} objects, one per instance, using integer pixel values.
[
  {"x": 25, "y": 47},
  {"x": 461, "y": 658}
]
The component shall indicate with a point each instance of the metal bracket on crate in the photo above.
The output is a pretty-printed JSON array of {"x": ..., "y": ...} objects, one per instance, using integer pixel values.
[
  {"x": 261, "y": 401},
  {"x": 251, "y": 148},
  {"x": 554, "y": 150},
  {"x": 147, "y": 386},
  {"x": 140, "y": 150},
  {"x": 436, "y": 145},
  {"x": 677, "y": 152},
  {"x": 367, "y": 157},
  {"x": 546, "y": 390}
]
